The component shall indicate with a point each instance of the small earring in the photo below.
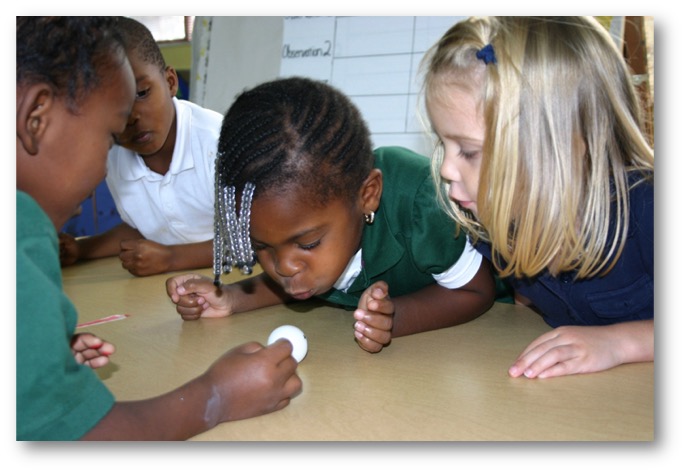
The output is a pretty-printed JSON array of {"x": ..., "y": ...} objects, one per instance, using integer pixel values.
[{"x": 370, "y": 218}]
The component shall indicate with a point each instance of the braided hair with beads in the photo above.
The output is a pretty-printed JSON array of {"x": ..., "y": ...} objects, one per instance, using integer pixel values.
[{"x": 288, "y": 135}]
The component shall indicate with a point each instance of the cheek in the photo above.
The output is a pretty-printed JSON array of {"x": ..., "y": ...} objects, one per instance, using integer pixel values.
[
  {"x": 90, "y": 156},
  {"x": 471, "y": 178},
  {"x": 265, "y": 259},
  {"x": 98, "y": 159}
]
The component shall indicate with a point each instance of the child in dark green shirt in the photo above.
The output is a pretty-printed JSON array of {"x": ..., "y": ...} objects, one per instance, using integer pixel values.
[{"x": 300, "y": 190}]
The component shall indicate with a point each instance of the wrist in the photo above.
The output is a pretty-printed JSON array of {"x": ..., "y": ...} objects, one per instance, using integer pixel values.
[{"x": 637, "y": 341}]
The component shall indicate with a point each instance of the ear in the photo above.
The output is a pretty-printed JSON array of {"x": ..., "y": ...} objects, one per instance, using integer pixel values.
[
  {"x": 370, "y": 193},
  {"x": 172, "y": 80},
  {"x": 33, "y": 110}
]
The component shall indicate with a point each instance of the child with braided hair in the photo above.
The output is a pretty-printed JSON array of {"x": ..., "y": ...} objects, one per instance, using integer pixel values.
[{"x": 300, "y": 190}]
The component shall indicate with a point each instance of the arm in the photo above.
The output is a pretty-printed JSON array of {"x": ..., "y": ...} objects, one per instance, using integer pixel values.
[
  {"x": 94, "y": 247},
  {"x": 195, "y": 296},
  {"x": 433, "y": 307},
  {"x": 582, "y": 349},
  {"x": 247, "y": 381},
  {"x": 143, "y": 257}
]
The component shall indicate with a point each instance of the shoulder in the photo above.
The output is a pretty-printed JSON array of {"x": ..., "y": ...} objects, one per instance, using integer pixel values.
[
  {"x": 200, "y": 117},
  {"x": 641, "y": 189},
  {"x": 641, "y": 201},
  {"x": 396, "y": 156},
  {"x": 31, "y": 218},
  {"x": 402, "y": 167}
]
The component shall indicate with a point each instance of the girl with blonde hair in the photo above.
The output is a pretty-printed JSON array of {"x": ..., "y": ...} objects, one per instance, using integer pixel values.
[{"x": 543, "y": 159}]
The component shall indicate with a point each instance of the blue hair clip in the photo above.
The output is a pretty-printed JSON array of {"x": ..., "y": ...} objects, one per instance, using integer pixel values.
[{"x": 487, "y": 55}]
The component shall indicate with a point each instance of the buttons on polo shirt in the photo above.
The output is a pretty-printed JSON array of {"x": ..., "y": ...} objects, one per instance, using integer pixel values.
[{"x": 566, "y": 277}]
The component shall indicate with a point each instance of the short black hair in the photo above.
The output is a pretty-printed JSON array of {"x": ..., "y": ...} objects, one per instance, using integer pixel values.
[
  {"x": 72, "y": 54},
  {"x": 138, "y": 39},
  {"x": 295, "y": 134}
]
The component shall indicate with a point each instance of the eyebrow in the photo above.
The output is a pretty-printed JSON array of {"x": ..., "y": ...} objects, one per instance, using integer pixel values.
[
  {"x": 296, "y": 236},
  {"x": 463, "y": 137}
]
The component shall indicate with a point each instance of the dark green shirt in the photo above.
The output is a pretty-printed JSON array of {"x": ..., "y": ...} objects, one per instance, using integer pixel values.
[
  {"x": 57, "y": 398},
  {"x": 411, "y": 238}
]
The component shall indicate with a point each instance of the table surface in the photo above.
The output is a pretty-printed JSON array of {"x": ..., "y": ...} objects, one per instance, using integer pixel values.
[{"x": 444, "y": 385}]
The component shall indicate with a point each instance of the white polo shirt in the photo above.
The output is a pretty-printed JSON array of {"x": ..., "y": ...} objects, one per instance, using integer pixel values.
[{"x": 176, "y": 208}]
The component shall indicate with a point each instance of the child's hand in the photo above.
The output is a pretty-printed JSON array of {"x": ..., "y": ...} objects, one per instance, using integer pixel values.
[
  {"x": 142, "y": 257},
  {"x": 90, "y": 350},
  {"x": 196, "y": 296},
  {"x": 252, "y": 380},
  {"x": 568, "y": 350},
  {"x": 374, "y": 317},
  {"x": 68, "y": 249}
]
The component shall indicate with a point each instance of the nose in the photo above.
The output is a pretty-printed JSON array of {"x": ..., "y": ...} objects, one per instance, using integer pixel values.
[
  {"x": 285, "y": 264},
  {"x": 133, "y": 117},
  {"x": 450, "y": 171}
]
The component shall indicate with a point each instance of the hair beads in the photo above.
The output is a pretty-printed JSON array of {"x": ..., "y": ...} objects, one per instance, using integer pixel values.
[
  {"x": 232, "y": 246},
  {"x": 287, "y": 135}
]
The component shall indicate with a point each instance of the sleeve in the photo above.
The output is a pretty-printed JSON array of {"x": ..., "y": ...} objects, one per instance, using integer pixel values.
[
  {"x": 57, "y": 398},
  {"x": 436, "y": 243},
  {"x": 463, "y": 270}
]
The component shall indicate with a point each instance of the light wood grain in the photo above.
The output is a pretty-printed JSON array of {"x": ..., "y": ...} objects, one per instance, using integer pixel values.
[{"x": 445, "y": 385}]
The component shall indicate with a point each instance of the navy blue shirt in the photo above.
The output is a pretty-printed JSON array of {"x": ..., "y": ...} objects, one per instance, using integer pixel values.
[{"x": 626, "y": 293}]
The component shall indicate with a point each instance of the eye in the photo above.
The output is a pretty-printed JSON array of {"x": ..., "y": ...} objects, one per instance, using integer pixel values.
[
  {"x": 468, "y": 155},
  {"x": 309, "y": 247},
  {"x": 142, "y": 93},
  {"x": 258, "y": 247}
]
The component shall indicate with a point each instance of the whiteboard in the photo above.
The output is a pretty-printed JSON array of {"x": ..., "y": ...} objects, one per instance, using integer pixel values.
[{"x": 375, "y": 61}]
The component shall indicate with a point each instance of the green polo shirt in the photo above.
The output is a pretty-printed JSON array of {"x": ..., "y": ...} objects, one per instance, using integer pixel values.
[
  {"x": 57, "y": 398},
  {"x": 411, "y": 238}
]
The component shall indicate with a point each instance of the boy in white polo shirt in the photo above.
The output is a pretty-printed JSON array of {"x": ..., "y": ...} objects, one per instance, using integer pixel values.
[{"x": 160, "y": 173}]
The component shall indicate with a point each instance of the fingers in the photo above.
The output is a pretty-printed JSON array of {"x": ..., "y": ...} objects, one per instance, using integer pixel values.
[
  {"x": 97, "y": 362},
  {"x": 84, "y": 341},
  {"x": 293, "y": 386},
  {"x": 172, "y": 288},
  {"x": 128, "y": 244},
  {"x": 550, "y": 355},
  {"x": 282, "y": 349},
  {"x": 189, "y": 310},
  {"x": 544, "y": 361},
  {"x": 185, "y": 290},
  {"x": 90, "y": 350},
  {"x": 176, "y": 286},
  {"x": 374, "y": 318},
  {"x": 372, "y": 330},
  {"x": 249, "y": 348},
  {"x": 372, "y": 295}
]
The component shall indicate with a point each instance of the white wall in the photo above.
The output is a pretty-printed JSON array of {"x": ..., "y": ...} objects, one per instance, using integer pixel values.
[{"x": 235, "y": 54}]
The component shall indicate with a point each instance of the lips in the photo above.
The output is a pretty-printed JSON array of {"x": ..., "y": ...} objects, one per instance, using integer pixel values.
[
  {"x": 467, "y": 205},
  {"x": 458, "y": 200},
  {"x": 302, "y": 295},
  {"x": 142, "y": 138}
]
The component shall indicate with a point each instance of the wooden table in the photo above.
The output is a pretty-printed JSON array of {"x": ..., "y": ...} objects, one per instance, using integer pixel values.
[{"x": 445, "y": 385}]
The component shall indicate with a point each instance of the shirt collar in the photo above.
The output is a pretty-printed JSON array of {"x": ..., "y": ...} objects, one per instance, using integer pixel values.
[
  {"x": 380, "y": 248},
  {"x": 181, "y": 159},
  {"x": 350, "y": 273}
]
